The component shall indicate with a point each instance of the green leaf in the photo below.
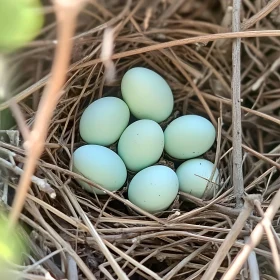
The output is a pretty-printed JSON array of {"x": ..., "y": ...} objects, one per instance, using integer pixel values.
[
  {"x": 6, "y": 119},
  {"x": 20, "y": 22}
]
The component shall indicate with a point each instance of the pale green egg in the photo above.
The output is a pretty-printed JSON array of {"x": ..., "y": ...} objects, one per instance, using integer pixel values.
[
  {"x": 147, "y": 94},
  {"x": 154, "y": 188},
  {"x": 100, "y": 165},
  {"x": 104, "y": 120},
  {"x": 194, "y": 175},
  {"x": 189, "y": 136},
  {"x": 141, "y": 144}
]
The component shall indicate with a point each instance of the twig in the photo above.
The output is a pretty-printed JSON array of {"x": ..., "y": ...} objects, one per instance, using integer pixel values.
[
  {"x": 237, "y": 175},
  {"x": 66, "y": 16},
  {"x": 254, "y": 240},
  {"x": 262, "y": 78},
  {"x": 187, "y": 259},
  {"x": 106, "y": 54},
  {"x": 72, "y": 271},
  {"x": 41, "y": 183},
  {"x": 260, "y": 15},
  {"x": 271, "y": 240},
  {"x": 19, "y": 118},
  {"x": 193, "y": 40},
  {"x": 186, "y": 41},
  {"x": 253, "y": 264},
  {"x": 99, "y": 241},
  {"x": 132, "y": 260},
  {"x": 230, "y": 239},
  {"x": 63, "y": 243}
]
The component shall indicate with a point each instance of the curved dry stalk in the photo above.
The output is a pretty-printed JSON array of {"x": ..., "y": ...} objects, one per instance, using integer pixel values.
[
  {"x": 254, "y": 240},
  {"x": 41, "y": 183},
  {"x": 261, "y": 14},
  {"x": 66, "y": 16},
  {"x": 271, "y": 240},
  {"x": 97, "y": 238},
  {"x": 230, "y": 239},
  {"x": 194, "y": 40},
  {"x": 253, "y": 264}
]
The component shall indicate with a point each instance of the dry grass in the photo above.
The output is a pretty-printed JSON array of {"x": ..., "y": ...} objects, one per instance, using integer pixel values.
[{"x": 161, "y": 35}]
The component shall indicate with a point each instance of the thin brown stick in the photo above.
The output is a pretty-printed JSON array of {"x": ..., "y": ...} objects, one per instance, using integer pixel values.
[
  {"x": 66, "y": 16},
  {"x": 253, "y": 264},
  {"x": 97, "y": 238},
  {"x": 260, "y": 15},
  {"x": 230, "y": 239},
  {"x": 41, "y": 183},
  {"x": 180, "y": 42},
  {"x": 254, "y": 240},
  {"x": 132, "y": 261},
  {"x": 187, "y": 259},
  {"x": 194, "y": 40},
  {"x": 64, "y": 243},
  {"x": 271, "y": 240},
  {"x": 237, "y": 174},
  {"x": 19, "y": 119}
]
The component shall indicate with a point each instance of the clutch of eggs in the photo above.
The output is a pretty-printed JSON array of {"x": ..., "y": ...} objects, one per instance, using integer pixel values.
[{"x": 104, "y": 122}]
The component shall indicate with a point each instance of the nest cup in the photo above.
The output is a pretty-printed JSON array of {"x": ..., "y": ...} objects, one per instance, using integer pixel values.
[{"x": 200, "y": 79}]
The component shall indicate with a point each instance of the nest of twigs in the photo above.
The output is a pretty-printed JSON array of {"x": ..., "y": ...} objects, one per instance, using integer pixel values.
[{"x": 181, "y": 242}]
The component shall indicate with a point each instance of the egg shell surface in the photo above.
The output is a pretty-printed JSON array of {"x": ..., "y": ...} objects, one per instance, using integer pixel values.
[
  {"x": 141, "y": 144},
  {"x": 100, "y": 165},
  {"x": 104, "y": 120},
  {"x": 147, "y": 94},
  {"x": 189, "y": 136},
  {"x": 154, "y": 188},
  {"x": 194, "y": 175}
]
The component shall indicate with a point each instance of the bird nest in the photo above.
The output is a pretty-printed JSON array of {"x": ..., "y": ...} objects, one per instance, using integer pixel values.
[{"x": 78, "y": 235}]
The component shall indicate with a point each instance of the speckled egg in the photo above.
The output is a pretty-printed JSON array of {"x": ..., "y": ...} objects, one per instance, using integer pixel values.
[
  {"x": 154, "y": 188},
  {"x": 194, "y": 175},
  {"x": 141, "y": 144},
  {"x": 147, "y": 94},
  {"x": 188, "y": 137}
]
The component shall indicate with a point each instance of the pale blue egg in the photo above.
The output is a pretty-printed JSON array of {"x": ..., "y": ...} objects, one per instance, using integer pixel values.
[
  {"x": 141, "y": 144},
  {"x": 147, "y": 94},
  {"x": 189, "y": 136},
  {"x": 154, "y": 188},
  {"x": 194, "y": 175},
  {"x": 100, "y": 165},
  {"x": 104, "y": 120}
]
